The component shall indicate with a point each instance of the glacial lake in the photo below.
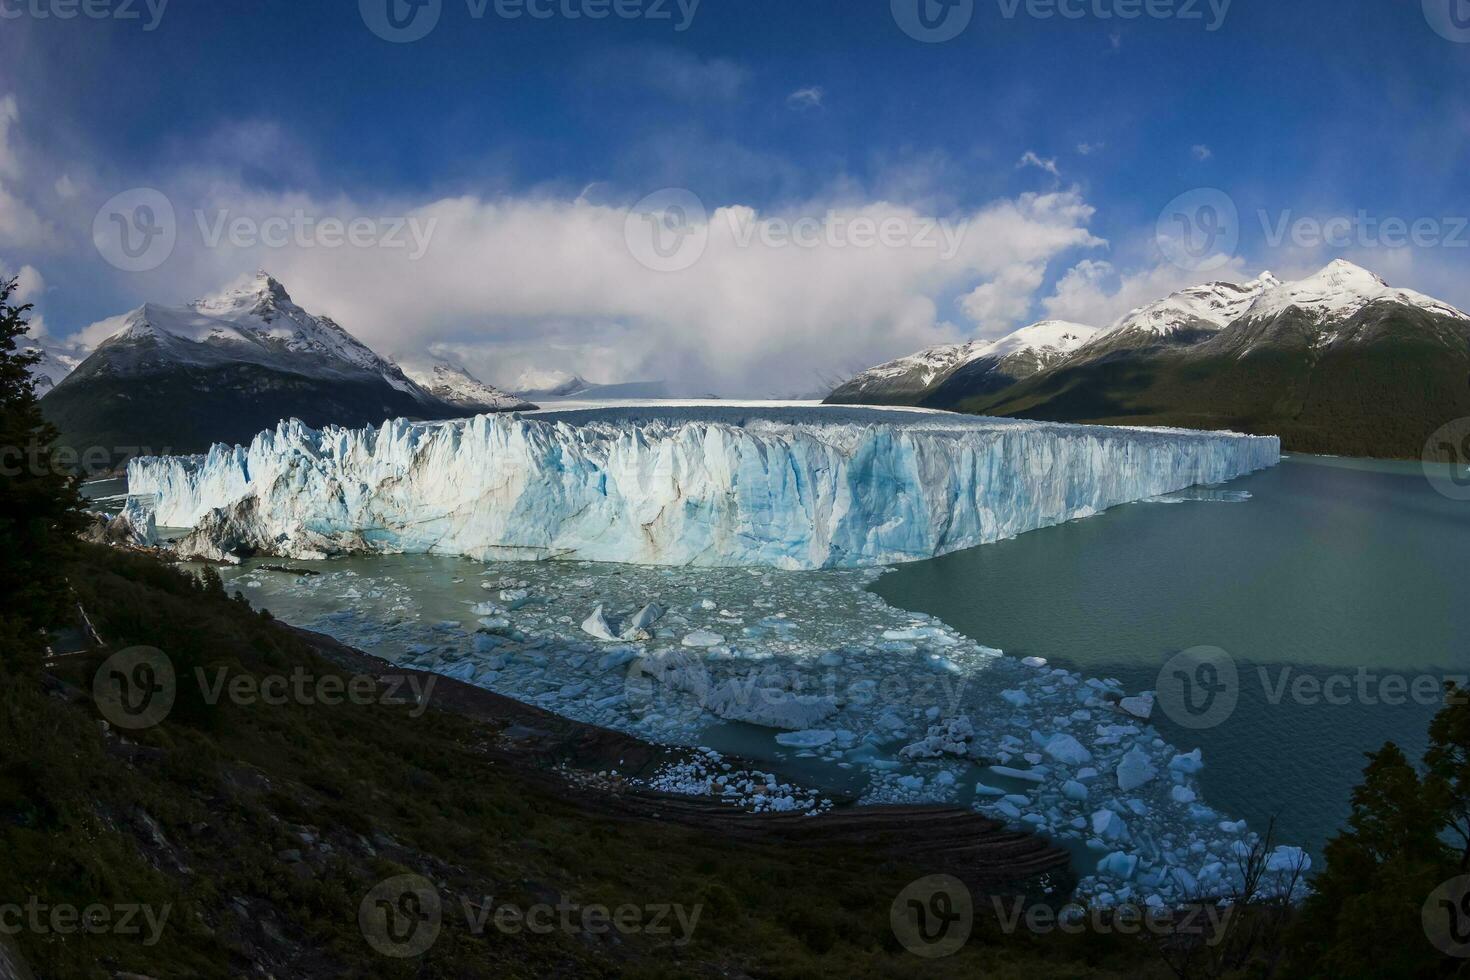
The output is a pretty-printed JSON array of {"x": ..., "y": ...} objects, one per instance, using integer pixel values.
[
  {"x": 1348, "y": 573},
  {"x": 1334, "y": 566}
]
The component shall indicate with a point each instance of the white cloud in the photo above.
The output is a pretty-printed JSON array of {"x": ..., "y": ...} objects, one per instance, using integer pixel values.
[
  {"x": 1087, "y": 149},
  {"x": 806, "y": 98},
  {"x": 1094, "y": 292},
  {"x": 1201, "y": 152},
  {"x": 542, "y": 283},
  {"x": 65, "y": 188},
  {"x": 1031, "y": 159},
  {"x": 999, "y": 305}
]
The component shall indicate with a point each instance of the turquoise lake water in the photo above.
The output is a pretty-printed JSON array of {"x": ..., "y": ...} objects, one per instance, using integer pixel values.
[{"x": 1334, "y": 566}]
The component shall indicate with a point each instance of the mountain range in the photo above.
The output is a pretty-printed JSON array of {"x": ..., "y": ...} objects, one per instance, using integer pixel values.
[
  {"x": 227, "y": 366},
  {"x": 1339, "y": 362}
]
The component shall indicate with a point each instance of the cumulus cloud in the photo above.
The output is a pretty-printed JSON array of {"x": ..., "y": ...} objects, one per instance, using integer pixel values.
[
  {"x": 774, "y": 300},
  {"x": 999, "y": 305},
  {"x": 1201, "y": 152}
]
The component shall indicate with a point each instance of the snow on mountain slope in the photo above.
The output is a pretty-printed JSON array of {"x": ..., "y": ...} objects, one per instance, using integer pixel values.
[
  {"x": 1187, "y": 315},
  {"x": 1016, "y": 355},
  {"x": 262, "y": 307},
  {"x": 57, "y": 361},
  {"x": 788, "y": 488},
  {"x": 253, "y": 323},
  {"x": 1338, "y": 291},
  {"x": 457, "y": 386}
]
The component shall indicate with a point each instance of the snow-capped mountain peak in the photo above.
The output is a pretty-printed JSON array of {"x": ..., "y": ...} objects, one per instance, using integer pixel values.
[
  {"x": 1340, "y": 289},
  {"x": 458, "y": 386},
  {"x": 1209, "y": 305},
  {"x": 1051, "y": 335}
]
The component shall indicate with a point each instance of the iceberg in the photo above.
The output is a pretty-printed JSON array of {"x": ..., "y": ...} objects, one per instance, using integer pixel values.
[{"x": 786, "y": 488}]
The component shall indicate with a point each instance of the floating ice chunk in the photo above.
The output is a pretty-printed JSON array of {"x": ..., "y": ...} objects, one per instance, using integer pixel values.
[
  {"x": 1017, "y": 699},
  {"x": 982, "y": 790},
  {"x": 1023, "y": 774},
  {"x": 1289, "y": 859},
  {"x": 647, "y": 616},
  {"x": 1182, "y": 794},
  {"x": 812, "y": 738},
  {"x": 598, "y": 626},
  {"x": 1109, "y": 826},
  {"x": 1189, "y": 762},
  {"x": 1135, "y": 769},
  {"x": 1034, "y": 661},
  {"x": 1074, "y": 790},
  {"x": 703, "y": 638},
  {"x": 1139, "y": 706},
  {"x": 1067, "y": 750},
  {"x": 1119, "y": 864}
]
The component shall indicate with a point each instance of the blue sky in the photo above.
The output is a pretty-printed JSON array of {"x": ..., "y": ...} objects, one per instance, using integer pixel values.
[{"x": 529, "y": 138}]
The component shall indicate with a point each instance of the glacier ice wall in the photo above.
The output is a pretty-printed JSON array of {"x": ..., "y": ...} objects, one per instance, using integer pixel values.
[{"x": 787, "y": 488}]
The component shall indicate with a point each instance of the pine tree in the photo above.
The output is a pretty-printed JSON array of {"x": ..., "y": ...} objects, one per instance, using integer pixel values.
[
  {"x": 40, "y": 507},
  {"x": 1407, "y": 835}
]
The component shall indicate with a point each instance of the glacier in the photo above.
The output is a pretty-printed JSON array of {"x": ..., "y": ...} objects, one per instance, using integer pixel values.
[{"x": 783, "y": 487}]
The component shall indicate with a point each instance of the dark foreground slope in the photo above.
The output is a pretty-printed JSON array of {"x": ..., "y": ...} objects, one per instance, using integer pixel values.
[{"x": 263, "y": 827}]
